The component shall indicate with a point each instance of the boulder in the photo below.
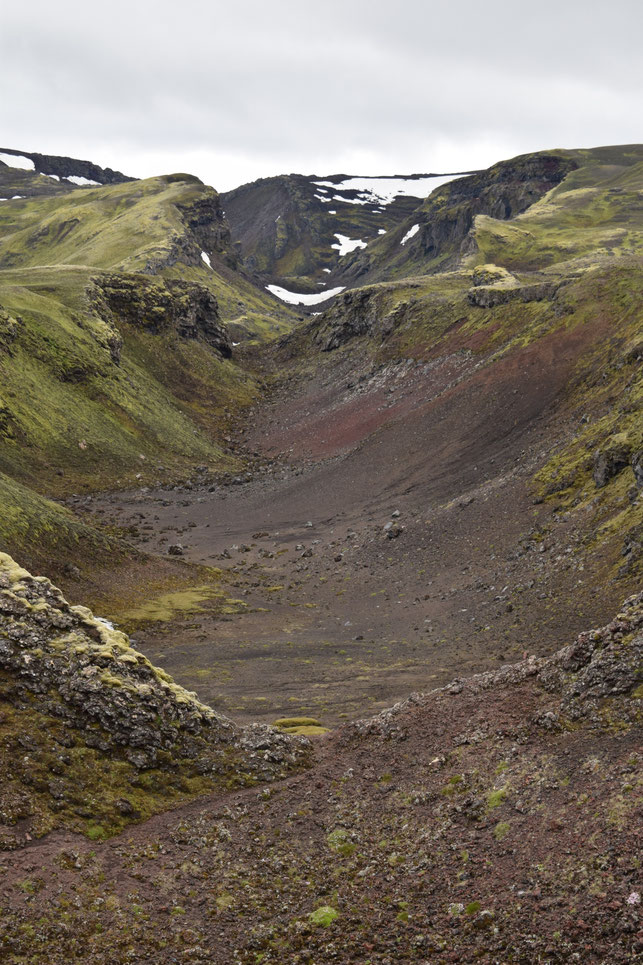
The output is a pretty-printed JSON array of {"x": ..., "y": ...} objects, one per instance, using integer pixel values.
[{"x": 610, "y": 460}]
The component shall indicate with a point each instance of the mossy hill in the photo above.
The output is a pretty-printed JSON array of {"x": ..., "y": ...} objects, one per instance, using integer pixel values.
[{"x": 119, "y": 305}]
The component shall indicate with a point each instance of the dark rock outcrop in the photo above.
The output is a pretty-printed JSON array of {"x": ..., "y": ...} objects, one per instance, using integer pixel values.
[
  {"x": 206, "y": 222},
  {"x": 64, "y": 167},
  {"x": 160, "y": 305},
  {"x": 637, "y": 467},
  {"x": 8, "y": 329},
  {"x": 632, "y": 549},
  {"x": 447, "y": 216},
  {"x": 489, "y": 296},
  {"x": 355, "y": 313},
  {"x": 504, "y": 191},
  {"x": 610, "y": 460}
]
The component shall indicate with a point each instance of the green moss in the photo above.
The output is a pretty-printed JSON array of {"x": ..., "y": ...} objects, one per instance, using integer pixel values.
[
  {"x": 224, "y": 901},
  {"x": 496, "y": 797},
  {"x": 95, "y": 832},
  {"x": 324, "y": 916},
  {"x": 297, "y": 722},
  {"x": 339, "y": 842},
  {"x": 452, "y": 787},
  {"x": 501, "y": 830},
  {"x": 166, "y": 606}
]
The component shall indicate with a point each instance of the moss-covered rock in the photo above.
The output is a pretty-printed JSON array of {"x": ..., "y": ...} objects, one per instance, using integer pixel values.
[
  {"x": 611, "y": 459},
  {"x": 77, "y": 680},
  {"x": 157, "y": 306}
]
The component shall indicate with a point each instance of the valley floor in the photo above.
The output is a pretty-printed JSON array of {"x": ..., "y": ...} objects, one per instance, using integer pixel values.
[{"x": 358, "y": 568}]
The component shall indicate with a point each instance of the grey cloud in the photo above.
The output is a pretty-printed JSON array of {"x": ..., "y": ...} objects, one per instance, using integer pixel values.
[{"x": 409, "y": 86}]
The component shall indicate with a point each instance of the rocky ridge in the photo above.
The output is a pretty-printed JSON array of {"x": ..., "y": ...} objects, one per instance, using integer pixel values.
[
  {"x": 602, "y": 666},
  {"x": 444, "y": 221},
  {"x": 65, "y": 167},
  {"x": 89, "y": 689}
]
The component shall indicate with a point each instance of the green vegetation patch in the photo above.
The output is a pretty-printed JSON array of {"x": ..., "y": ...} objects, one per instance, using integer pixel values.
[
  {"x": 166, "y": 606},
  {"x": 339, "y": 841},
  {"x": 308, "y": 726},
  {"x": 323, "y": 916}
]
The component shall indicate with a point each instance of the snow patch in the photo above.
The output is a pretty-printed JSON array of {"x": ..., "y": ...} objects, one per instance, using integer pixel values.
[
  {"x": 411, "y": 233},
  {"x": 106, "y": 623},
  {"x": 81, "y": 182},
  {"x": 346, "y": 244},
  {"x": 53, "y": 176},
  {"x": 332, "y": 212},
  {"x": 327, "y": 270},
  {"x": 18, "y": 161},
  {"x": 365, "y": 199},
  {"x": 381, "y": 231},
  {"x": 382, "y": 191},
  {"x": 206, "y": 258},
  {"x": 297, "y": 298}
]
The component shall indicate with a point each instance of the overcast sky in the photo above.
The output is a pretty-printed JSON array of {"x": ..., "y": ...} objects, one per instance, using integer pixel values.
[{"x": 236, "y": 91}]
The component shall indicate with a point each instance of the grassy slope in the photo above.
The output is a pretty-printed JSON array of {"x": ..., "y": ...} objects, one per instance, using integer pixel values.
[
  {"x": 71, "y": 416},
  {"x": 70, "y": 407},
  {"x": 590, "y": 229},
  {"x": 595, "y": 212}
]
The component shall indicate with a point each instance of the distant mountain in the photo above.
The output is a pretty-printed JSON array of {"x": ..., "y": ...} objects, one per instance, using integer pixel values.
[
  {"x": 72, "y": 170},
  {"x": 299, "y": 231}
]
